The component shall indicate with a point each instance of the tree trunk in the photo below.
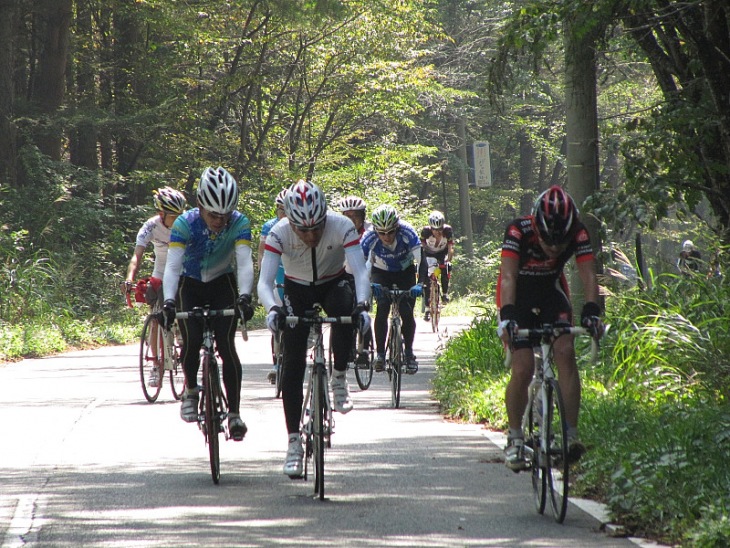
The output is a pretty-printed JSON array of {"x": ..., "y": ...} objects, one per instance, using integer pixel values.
[
  {"x": 54, "y": 21},
  {"x": 8, "y": 11},
  {"x": 83, "y": 137},
  {"x": 581, "y": 125}
]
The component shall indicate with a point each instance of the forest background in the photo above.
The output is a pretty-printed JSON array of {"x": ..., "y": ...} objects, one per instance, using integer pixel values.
[{"x": 626, "y": 102}]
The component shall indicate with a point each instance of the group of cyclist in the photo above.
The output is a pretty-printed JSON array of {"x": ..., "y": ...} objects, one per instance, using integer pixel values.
[{"x": 310, "y": 254}]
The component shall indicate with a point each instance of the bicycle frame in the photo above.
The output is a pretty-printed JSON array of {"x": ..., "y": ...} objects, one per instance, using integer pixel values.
[
  {"x": 213, "y": 405},
  {"x": 316, "y": 422},
  {"x": 394, "y": 343}
]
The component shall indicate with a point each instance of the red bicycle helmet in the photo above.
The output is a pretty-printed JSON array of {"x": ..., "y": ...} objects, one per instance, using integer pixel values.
[{"x": 555, "y": 215}]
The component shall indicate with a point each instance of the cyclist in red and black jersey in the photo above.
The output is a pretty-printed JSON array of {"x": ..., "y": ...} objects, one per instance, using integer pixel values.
[
  {"x": 437, "y": 241},
  {"x": 532, "y": 290}
]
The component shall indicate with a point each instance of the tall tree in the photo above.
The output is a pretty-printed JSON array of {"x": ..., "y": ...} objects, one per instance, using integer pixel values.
[{"x": 8, "y": 13}]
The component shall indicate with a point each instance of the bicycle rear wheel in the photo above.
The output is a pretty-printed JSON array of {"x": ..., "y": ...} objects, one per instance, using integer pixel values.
[
  {"x": 434, "y": 303},
  {"x": 557, "y": 461},
  {"x": 534, "y": 453},
  {"x": 319, "y": 434},
  {"x": 212, "y": 417},
  {"x": 364, "y": 372},
  {"x": 396, "y": 366},
  {"x": 177, "y": 373},
  {"x": 150, "y": 349}
]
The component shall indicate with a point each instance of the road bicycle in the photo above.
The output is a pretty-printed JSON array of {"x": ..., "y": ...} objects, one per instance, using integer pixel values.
[
  {"x": 544, "y": 424},
  {"x": 395, "y": 346},
  {"x": 158, "y": 348},
  {"x": 434, "y": 293},
  {"x": 278, "y": 356},
  {"x": 316, "y": 422},
  {"x": 213, "y": 405}
]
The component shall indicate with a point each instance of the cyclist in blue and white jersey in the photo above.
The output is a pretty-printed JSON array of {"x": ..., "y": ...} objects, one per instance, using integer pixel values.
[
  {"x": 203, "y": 245},
  {"x": 279, "y": 281},
  {"x": 169, "y": 203},
  {"x": 393, "y": 248},
  {"x": 312, "y": 243}
]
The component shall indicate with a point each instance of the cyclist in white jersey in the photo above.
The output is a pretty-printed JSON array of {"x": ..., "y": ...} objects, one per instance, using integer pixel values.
[
  {"x": 393, "y": 248},
  {"x": 203, "y": 245},
  {"x": 169, "y": 204},
  {"x": 312, "y": 244}
]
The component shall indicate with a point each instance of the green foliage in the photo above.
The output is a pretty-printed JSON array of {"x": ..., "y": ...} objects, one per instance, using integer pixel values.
[{"x": 471, "y": 375}]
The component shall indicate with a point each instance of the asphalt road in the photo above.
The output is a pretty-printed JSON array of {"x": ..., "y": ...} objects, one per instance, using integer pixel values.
[{"x": 86, "y": 461}]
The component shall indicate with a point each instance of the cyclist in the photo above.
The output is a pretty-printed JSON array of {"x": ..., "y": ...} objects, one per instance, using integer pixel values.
[
  {"x": 199, "y": 272},
  {"x": 169, "y": 204},
  {"x": 393, "y": 249},
  {"x": 532, "y": 290},
  {"x": 437, "y": 240},
  {"x": 689, "y": 259},
  {"x": 279, "y": 294},
  {"x": 353, "y": 207},
  {"x": 312, "y": 243}
]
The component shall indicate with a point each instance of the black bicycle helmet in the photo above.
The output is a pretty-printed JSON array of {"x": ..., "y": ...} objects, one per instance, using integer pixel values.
[{"x": 555, "y": 215}]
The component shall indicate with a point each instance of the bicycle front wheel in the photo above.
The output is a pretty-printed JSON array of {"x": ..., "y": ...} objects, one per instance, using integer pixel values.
[
  {"x": 364, "y": 372},
  {"x": 557, "y": 461},
  {"x": 396, "y": 367},
  {"x": 177, "y": 373},
  {"x": 319, "y": 434},
  {"x": 434, "y": 303},
  {"x": 212, "y": 417},
  {"x": 533, "y": 451},
  {"x": 150, "y": 349}
]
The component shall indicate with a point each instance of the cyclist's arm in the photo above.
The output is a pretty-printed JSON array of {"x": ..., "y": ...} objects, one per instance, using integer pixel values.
[
  {"x": 260, "y": 252},
  {"x": 173, "y": 268},
  {"x": 508, "y": 273},
  {"x": 356, "y": 260},
  {"x": 134, "y": 263},
  {"x": 244, "y": 268},
  {"x": 267, "y": 279},
  {"x": 450, "y": 253},
  {"x": 587, "y": 274}
]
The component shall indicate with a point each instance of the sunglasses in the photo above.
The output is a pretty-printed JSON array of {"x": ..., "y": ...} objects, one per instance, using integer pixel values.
[
  {"x": 386, "y": 232},
  {"x": 309, "y": 228},
  {"x": 218, "y": 216}
]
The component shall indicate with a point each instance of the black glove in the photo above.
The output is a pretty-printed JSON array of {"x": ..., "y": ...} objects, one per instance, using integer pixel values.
[
  {"x": 508, "y": 312},
  {"x": 245, "y": 309},
  {"x": 168, "y": 314},
  {"x": 590, "y": 318}
]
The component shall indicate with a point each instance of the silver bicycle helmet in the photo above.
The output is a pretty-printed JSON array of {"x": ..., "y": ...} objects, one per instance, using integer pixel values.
[
  {"x": 217, "y": 191},
  {"x": 436, "y": 220},
  {"x": 169, "y": 200},
  {"x": 281, "y": 198},
  {"x": 305, "y": 204}
]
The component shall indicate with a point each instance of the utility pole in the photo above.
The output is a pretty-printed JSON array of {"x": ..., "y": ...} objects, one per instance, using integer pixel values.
[{"x": 464, "y": 203}]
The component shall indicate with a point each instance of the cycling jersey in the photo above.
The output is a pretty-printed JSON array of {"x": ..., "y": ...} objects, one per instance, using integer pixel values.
[
  {"x": 312, "y": 266},
  {"x": 306, "y": 265},
  {"x": 542, "y": 293},
  {"x": 364, "y": 228},
  {"x": 155, "y": 231},
  {"x": 196, "y": 252},
  {"x": 437, "y": 248},
  {"x": 406, "y": 249},
  {"x": 267, "y": 226}
]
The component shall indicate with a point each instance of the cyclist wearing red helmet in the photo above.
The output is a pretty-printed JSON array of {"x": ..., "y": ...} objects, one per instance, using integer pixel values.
[{"x": 532, "y": 290}]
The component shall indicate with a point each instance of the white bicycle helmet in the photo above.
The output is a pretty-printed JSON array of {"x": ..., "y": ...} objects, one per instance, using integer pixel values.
[
  {"x": 305, "y": 204},
  {"x": 217, "y": 191},
  {"x": 281, "y": 198},
  {"x": 352, "y": 203},
  {"x": 436, "y": 220},
  {"x": 384, "y": 218},
  {"x": 169, "y": 200}
]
